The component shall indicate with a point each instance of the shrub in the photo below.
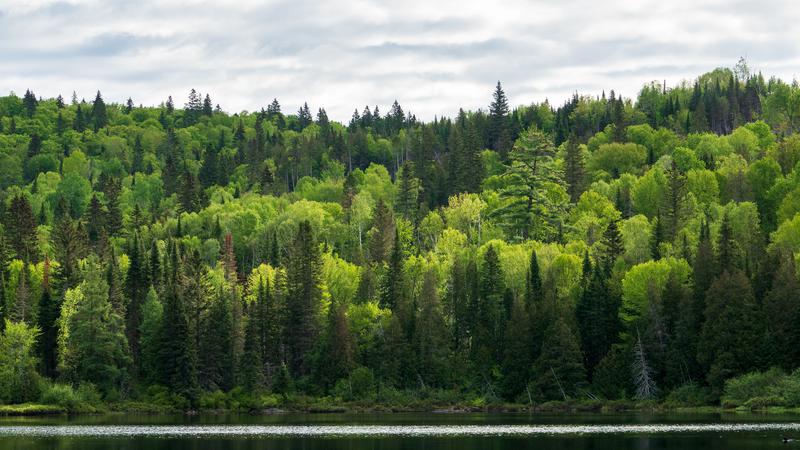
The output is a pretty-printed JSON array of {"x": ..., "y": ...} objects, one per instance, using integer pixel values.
[
  {"x": 690, "y": 394},
  {"x": 765, "y": 402},
  {"x": 61, "y": 395},
  {"x": 755, "y": 384}
]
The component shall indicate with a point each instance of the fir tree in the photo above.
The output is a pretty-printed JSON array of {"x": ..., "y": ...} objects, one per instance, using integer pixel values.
[
  {"x": 499, "y": 137},
  {"x": 98, "y": 113},
  {"x": 558, "y": 373},
  {"x": 304, "y": 297},
  {"x": 728, "y": 344},
  {"x": 574, "y": 169},
  {"x": 96, "y": 345}
]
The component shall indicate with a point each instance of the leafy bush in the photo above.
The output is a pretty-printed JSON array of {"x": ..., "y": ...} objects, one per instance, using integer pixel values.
[
  {"x": 755, "y": 384},
  {"x": 690, "y": 394},
  {"x": 61, "y": 395},
  {"x": 765, "y": 402}
]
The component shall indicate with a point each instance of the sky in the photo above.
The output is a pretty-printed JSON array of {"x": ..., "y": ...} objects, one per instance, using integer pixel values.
[{"x": 434, "y": 57}]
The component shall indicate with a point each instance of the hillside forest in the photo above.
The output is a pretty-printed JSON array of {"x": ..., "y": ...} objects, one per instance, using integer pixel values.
[{"x": 605, "y": 248}]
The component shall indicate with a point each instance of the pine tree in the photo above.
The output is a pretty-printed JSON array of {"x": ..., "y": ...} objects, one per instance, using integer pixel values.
[
  {"x": 391, "y": 290},
  {"x": 382, "y": 234},
  {"x": 136, "y": 289},
  {"x": 674, "y": 201},
  {"x": 304, "y": 297},
  {"x": 729, "y": 342},
  {"x": 612, "y": 246},
  {"x": 533, "y": 282},
  {"x": 251, "y": 370},
  {"x": 727, "y": 247},
  {"x": 148, "y": 334},
  {"x": 98, "y": 113},
  {"x": 489, "y": 314},
  {"x": 558, "y": 373},
  {"x": 574, "y": 169},
  {"x": 20, "y": 228},
  {"x": 336, "y": 354},
  {"x": 209, "y": 172},
  {"x": 268, "y": 315},
  {"x": 217, "y": 357},
  {"x": 781, "y": 307},
  {"x": 47, "y": 320},
  {"x": 406, "y": 203},
  {"x": 30, "y": 103},
  {"x": 79, "y": 123},
  {"x": 96, "y": 344},
  {"x": 177, "y": 358},
  {"x": 137, "y": 165},
  {"x": 517, "y": 361},
  {"x": 431, "y": 340},
  {"x": 498, "y": 133},
  {"x": 207, "y": 108}
]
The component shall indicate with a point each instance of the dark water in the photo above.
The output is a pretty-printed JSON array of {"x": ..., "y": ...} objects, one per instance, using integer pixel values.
[{"x": 402, "y": 431}]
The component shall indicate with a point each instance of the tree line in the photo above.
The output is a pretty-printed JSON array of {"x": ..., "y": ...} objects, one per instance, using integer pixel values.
[{"x": 607, "y": 248}]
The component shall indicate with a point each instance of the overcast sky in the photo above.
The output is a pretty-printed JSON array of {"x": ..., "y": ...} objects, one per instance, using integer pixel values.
[{"x": 432, "y": 56}]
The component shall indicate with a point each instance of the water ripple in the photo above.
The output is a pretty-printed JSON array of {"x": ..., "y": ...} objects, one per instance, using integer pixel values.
[{"x": 374, "y": 430}]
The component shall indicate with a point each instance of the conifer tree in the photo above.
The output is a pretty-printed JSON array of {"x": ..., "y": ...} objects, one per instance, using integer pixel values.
[
  {"x": 30, "y": 103},
  {"x": 148, "y": 335},
  {"x": 431, "y": 340},
  {"x": 251, "y": 370},
  {"x": 574, "y": 169},
  {"x": 517, "y": 361},
  {"x": 98, "y": 113},
  {"x": 392, "y": 290},
  {"x": 137, "y": 165},
  {"x": 20, "y": 228},
  {"x": 96, "y": 347},
  {"x": 47, "y": 321},
  {"x": 731, "y": 334},
  {"x": 217, "y": 345},
  {"x": 499, "y": 137},
  {"x": 558, "y": 373},
  {"x": 781, "y": 309},
  {"x": 335, "y": 357},
  {"x": 304, "y": 297},
  {"x": 177, "y": 357}
]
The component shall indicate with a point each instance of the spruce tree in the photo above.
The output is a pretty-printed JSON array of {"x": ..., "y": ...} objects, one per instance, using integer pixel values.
[
  {"x": 731, "y": 334},
  {"x": 251, "y": 373},
  {"x": 30, "y": 103},
  {"x": 20, "y": 229},
  {"x": 574, "y": 169},
  {"x": 392, "y": 289},
  {"x": 149, "y": 333},
  {"x": 558, "y": 373},
  {"x": 98, "y": 114},
  {"x": 96, "y": 344},
  {"x": 498, "y": 133},
  {"x": 431, "y": 340},
  {"x": 304, "y": 296},
  {"x": 781, "y": 309}
]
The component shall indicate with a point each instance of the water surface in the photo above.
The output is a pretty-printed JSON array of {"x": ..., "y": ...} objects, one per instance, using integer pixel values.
[{"x": 402, "y": 431}]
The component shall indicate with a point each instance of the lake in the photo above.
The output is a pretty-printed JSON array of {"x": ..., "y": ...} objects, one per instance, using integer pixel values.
[{"x": 402, "y": 431}]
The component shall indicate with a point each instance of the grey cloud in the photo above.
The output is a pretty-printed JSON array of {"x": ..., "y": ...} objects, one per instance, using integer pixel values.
[{"x": 342, "y": 54}]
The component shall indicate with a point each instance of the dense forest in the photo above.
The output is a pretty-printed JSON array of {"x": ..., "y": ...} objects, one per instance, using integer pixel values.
[{"x": 606, "y": 248}]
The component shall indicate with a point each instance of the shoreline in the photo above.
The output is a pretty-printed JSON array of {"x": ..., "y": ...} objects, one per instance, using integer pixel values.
[{"x": 553, "y": 408}]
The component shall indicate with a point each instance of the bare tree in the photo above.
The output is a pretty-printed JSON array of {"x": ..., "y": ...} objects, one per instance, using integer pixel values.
[{"x": 642, "y": 373}]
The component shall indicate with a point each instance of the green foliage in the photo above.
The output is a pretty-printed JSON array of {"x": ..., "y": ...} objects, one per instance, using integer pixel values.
[
  {"x": 19, "y": 381},
  {"x": 524, "y": 253}
]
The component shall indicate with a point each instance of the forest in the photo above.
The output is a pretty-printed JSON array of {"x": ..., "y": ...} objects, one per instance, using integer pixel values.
[{"x": 604, "y": 249}]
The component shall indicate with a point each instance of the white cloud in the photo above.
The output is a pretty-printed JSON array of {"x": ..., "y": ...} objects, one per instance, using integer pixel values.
[{"x": 434, "y": 57}]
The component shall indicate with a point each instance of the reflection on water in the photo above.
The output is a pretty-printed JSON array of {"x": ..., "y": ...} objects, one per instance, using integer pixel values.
[
  {"x": 197, "y": 431},
  {"x": 402, "y": 431}
]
